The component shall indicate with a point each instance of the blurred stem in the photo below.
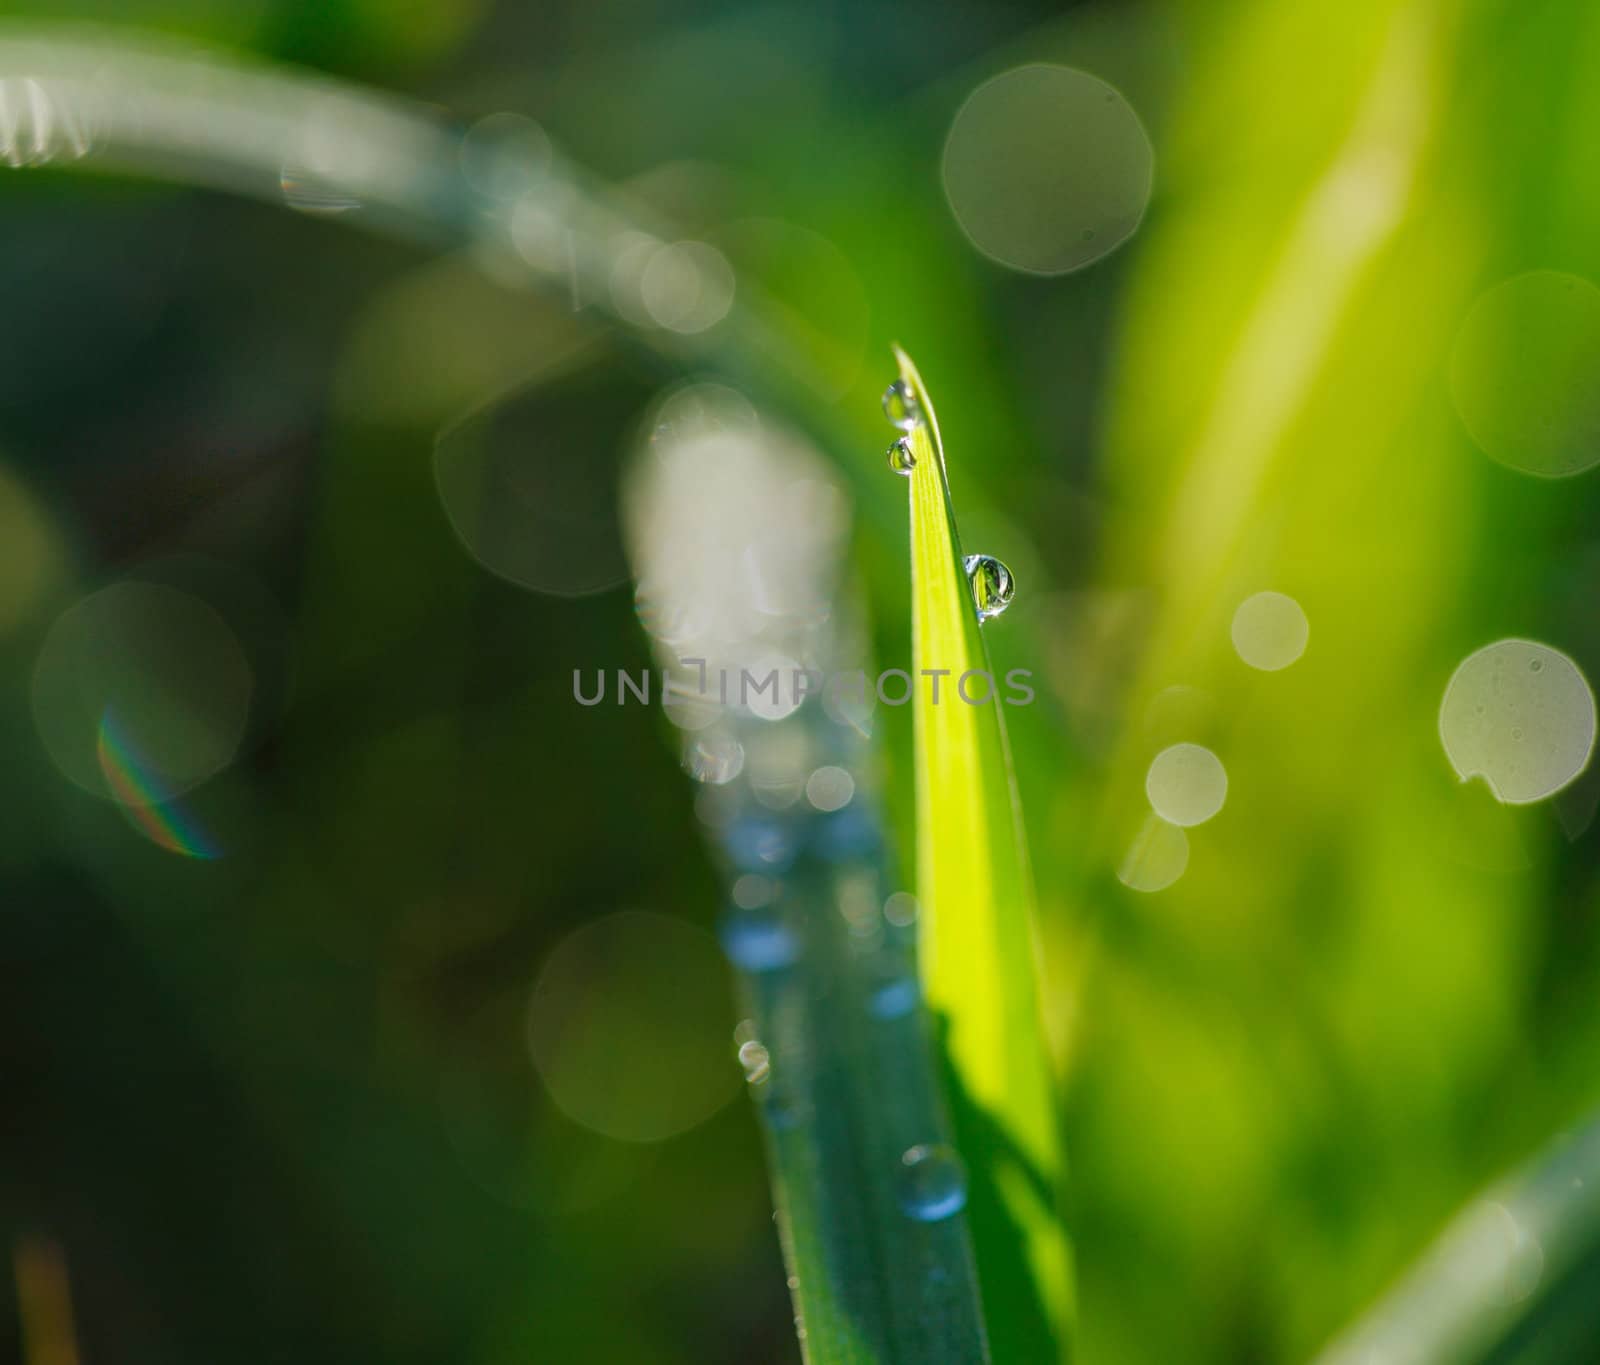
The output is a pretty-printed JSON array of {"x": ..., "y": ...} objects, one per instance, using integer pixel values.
[{"x": 1515, "y": 1277}]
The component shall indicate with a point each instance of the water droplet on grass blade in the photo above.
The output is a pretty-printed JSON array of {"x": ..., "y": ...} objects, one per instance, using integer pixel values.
[
  {"x": 900, "y": 406},
  {"x": 758, "y": 940},
  {"x": 715, "y": 758},
  {"x": 992, "y": 585},
  {"x": 933, "y": 1183},
  {"x": 758, "y": 843},
  {"x": 756, "y": 1061},
  {"x": 902, "y": 458},
  {"x": 893, "y": 997}
]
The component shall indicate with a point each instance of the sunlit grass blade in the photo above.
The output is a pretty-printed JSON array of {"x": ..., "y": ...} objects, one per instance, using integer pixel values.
[
  {"x": 978, "y": 955},
  {"x": 1515, "y": 1277}
]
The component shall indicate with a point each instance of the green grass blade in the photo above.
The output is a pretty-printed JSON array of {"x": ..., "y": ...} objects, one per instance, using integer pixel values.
[
  {"x": 837, "y": 1054},
  {"x": 846, "y": 1095},
  {"x": 1514, "y": 1278},
  {"x": 978, "y": 955}
]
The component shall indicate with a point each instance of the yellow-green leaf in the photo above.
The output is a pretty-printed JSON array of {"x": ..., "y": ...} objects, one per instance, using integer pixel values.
[{"x": 978, "y": 956}]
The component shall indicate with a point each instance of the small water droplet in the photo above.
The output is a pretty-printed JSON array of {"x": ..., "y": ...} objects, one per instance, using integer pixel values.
[
  {"x": 758, "y": 843},
  {"x": 758, "y": 940},
  {"x": 1535, "y": 665},
  {"x": 992, "y": 585},
  {"x": 847, "y": 834},
  {"x": 900, "y": 909},
  {"x": 315, "y": 195},
  {"x": 782, "y": 1110},
  {"x": 713, "y": 758},
  {"x": 902, "y": 458},
  {"x": 900, "y": 406},
  {"x": 933, "y": 1183},
  {"x": 756, "y": 1061},
  {"x": 894, "y": 998}
]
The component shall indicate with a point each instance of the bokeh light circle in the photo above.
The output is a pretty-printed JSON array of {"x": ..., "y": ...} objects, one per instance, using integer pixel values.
[
  {"x": 529, "y": 484},
  {"x": 144, "y": 687},
  {"x": 1186, "y": 784},
  {"x": 1157, "y": 857},
  {"x": 1521, "y": 716},
  {"x": 1525, "y": 374},
  {"x": 1270, "y": 631},
  {"x": 687, "y": 287},
  {"x": 627, "y": 1025},
  {"x": 1047, "y": 169}
]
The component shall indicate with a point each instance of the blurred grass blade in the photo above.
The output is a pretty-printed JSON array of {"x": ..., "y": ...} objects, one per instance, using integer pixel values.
[
  {"x": 978, "y": 957},
  {"x": 1514, "y": 1278},
  {"x": 836, "y": 1053}
]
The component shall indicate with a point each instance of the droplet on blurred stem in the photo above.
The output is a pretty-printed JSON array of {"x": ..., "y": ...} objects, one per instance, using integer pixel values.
[
  {"x": 902, "y": 458},
  {"x": 758, "y": 940},
  {"x": 894, "y": 996},
  {"x": 933, "y": 1183},
  {"x": 756, "y": 1061},
  {"x": 715, "y": 758},
  {"x": 992, "y": 585}
]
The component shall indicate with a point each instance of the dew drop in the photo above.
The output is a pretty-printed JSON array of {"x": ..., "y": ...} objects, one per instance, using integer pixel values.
[
  {"x": 715, "y": 758},
  {"x": 900, "y": 406},
  {"x": 893, "y": 998},
  {"x": 902, "y": 458},
  {"x": 933, "y": 1183},
  {"x": 758, "y": 843},
  {"x": 992, "y": 585},
  {"x": 900, "y": 909},
  {"x": 782, "y": 1110},
  {"x": 758, "y": 940},
  {"x": 847, "y": 834},
  {"x": 756, "y": 1061}
]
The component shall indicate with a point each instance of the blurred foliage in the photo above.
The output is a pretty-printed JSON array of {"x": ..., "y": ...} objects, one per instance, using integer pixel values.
[{"x": 280, "y": 1104}]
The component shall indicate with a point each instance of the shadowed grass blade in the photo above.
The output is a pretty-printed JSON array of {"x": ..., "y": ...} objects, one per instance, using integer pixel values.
[
  {"x": 738, "y": 571},
  {"x": 978, "y": 957}
]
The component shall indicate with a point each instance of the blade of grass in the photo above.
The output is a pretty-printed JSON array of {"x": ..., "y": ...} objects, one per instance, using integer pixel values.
[
  {"x": 836, "y": 1051},
  {"x": 845, "y": 1095},
  {"x": 979, "y": 966},
  {"x": 1514, "y": 1278}
]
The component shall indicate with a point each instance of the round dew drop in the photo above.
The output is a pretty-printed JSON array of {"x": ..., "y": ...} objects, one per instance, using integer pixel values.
[
  {"x": 902, "y": 458},
  {"x": 758, "y": 940},
  {"x": 900, "y": 406},
  {"x": 992, "y": 585},
  {"x": 933, "y": 1183}
]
